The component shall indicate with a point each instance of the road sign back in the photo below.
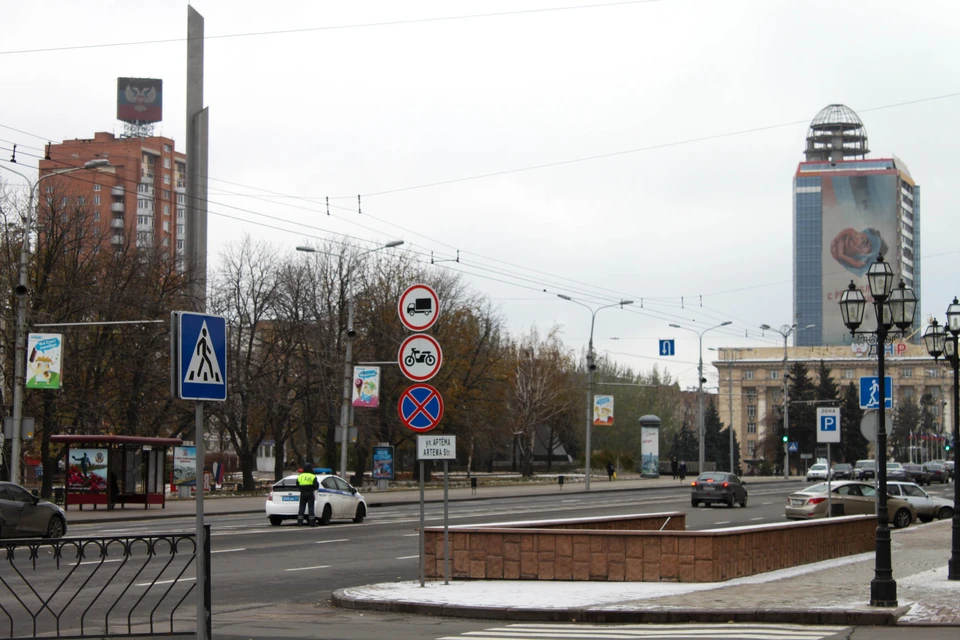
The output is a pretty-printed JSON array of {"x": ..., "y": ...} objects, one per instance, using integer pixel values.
[
  {"x": 420, "y": 357},
  {"x": 419, "y": 307},
  {"x": 420, "y": 408},
  {"x": 201, "y": 356}
]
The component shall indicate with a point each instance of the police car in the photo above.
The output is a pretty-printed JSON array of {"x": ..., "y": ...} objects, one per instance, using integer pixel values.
[{"x": 335, "y": 500}]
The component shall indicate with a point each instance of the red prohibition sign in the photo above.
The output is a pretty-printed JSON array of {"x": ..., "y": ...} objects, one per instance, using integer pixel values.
[{"x": 420, "y": 408}]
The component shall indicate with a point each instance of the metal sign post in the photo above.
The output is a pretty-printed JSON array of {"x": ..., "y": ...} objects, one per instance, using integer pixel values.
[
  {"x": 422, "y": 543},
  {"x": 437, "y": 448},
  {"x": 828, "y": 431}
]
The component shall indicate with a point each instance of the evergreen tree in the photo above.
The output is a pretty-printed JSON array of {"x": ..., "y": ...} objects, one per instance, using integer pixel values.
[
  {"x": 684, "y": 445},
  {"x": 716, "y": 447},
  {"x": 853, "y": 446},
  {"x": 803, "y": 413},
  {"x": 828, "y": 393},
  {"x": 906, "y": 421},
  {"x": 724, "y": 463}
]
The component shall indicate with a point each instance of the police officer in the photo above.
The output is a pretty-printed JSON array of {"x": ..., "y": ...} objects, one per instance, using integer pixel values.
[{"x": 308, "y": 485}]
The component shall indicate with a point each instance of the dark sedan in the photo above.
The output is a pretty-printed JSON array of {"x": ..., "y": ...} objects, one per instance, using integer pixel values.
[
  {"x": 24, "y": 515},
  {"x": 916, "y": 473},
  {"x": 724, "y": 488},
  {"x": 842, "y": 471},
  {"x": 938, "y": 472}
]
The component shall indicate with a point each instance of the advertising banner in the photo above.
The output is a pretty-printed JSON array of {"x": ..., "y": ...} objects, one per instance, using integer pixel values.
[
  {"x": 603, "y": 411},
  {"x": 184, "y": 466},
  {"x": 859, "y": 223},
  {"x": 139, "y": 99},
  {"x": 44, "y": 355},
  {"x": 87, "y": 470},
  {"x": 366, "y": 386},
  {"x": 650, "y": 452},
  {"x": 383, "y": 463}
]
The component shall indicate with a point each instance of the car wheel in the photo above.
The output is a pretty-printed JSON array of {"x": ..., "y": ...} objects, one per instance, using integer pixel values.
[
  {"x": 276, "y": 520},
  {"x": 945, "y": 514},
  {"x": 730, "y": 502},
  {"x": 361, "y": 513},
  {"x": 325, "y": 516},
  {"x": 55, "y": 527},
  {"x": 694, "y": 503},
  {"x": 743, "y": 503},
  {"x": 901, "y": 519}
]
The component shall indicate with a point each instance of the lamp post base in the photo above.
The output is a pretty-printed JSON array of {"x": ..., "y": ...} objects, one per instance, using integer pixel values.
[
  {"x": 953, "y": 569},
  {"x": 883, "y": 592}
]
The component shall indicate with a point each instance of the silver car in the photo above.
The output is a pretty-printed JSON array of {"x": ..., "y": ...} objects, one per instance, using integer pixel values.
[
  {"x": 928, "y": 507},
  {"x": 24, "y": 515}
]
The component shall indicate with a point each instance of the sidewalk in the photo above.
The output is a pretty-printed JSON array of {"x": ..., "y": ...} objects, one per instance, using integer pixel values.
[
  {"x": 836, "y": 592},
  {"x": 214, "y": 504}
]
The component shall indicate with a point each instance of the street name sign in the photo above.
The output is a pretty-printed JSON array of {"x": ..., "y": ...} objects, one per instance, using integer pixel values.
[
  {"x": 420, "y": 408},
  {"x": 420, "y": 357},
  {"x": 436, "y": 447},
  {"x": 828, "y": 424},
  {"x": 418, "y": 307}
]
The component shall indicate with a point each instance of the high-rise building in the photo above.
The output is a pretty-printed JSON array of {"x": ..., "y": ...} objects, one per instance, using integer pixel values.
[
  {"x": 847, "y": 210},
  {"x": 138, "y": 198}
]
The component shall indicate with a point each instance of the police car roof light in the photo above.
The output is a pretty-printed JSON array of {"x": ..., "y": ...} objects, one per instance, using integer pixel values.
[{"x": 322, "y": 470}]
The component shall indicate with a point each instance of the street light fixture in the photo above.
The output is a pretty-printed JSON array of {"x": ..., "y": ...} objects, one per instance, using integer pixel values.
[
  {"x": 938, "y": 343},
  {"x": 348, "y": 356},
  {"x": 700, "y": 380},
  {"x": 20, "y": 293},
  {"x": 591, "y": 367},
  {"x": 893, "y": 307},
  {"x": 785, "y": 331}
]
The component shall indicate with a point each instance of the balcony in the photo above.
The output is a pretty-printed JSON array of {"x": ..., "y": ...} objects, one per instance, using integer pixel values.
[
  {"x": 118, "y": 191},
  {"x": 117, "y": 207},
  {"x": 146, "y": 177},
  {"x": 116, "y": 239},
  {"x": 117, "y": 223}
]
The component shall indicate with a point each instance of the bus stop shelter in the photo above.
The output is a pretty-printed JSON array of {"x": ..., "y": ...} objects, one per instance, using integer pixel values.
[{"x": 114, "y": 470}]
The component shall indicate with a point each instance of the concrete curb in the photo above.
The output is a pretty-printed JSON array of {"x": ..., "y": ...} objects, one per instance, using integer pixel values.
[
  {"x": 601, "y": 615},
  {"x": 155, "y": 515}
]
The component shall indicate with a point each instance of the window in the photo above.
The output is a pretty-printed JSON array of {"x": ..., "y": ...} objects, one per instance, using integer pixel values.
[
  {"x": 166, "y": 209},
  {"x": 166, "y": 194},
  {"x": 166, "y": 225},
  {"x": 166, "y": 242},
  {"x": 96, "y": 215},
  {"x": 96, "y": 232},
  {"x": 96, "y": 187},
  {"x": 142, "y": 203},
  {"x": 751, "y": 427},
  {"x": 179, "y": 229},
  {"x": 181, "y": 198},
  {"x": 179, "y": 213},
  {"x": 776, "y": 395},
  {"x": 748, "y": 375},
  {"x": 752, "y": 411},
  {"x": 751, "y": 448},
  {"x": 65, "y": 201},
  {"x": 81, "y": 200},
  {"x": 49, "y": 188},
  {"x": 148, "y": 160},
  {"x": 143, "y": 219},
  {"x": 180, "y": 244},
  {"x": 931, "y": 373},
  {"x": 848, "y": 374},
  {"x": 143, "y": 188},
  {"x": 166, "y": 162},
  {"x": 751, "y": 395},
  {"x": 166, "y": 178},
  {"x": 774, "y": 375},
  {"x": 906, "y": 373},
  {"x": 96, "y": 199},
  {"x": 166, "y": 148}
]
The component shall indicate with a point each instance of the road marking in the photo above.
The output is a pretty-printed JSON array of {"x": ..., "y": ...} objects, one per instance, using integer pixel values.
[
  {"x": 570, "y": 500},
  {"x": 408, "y": 557},
  {"x": 322, "y": 566},
  {"x": 227, "y": 550},
  {"x": 767, "y": 503},
  {"x": 147, "y": 584},
  {"x": 755, "y": 519},
  {"x": 722, "y": 522},
  {"x": 326, "y": 541},
  {"x": 97, "y": 561},
  {"x": 410, "y": 535}
]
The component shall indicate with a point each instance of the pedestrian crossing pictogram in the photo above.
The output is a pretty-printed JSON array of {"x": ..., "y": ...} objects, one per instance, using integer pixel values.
[{"x": 204, "y": 368}]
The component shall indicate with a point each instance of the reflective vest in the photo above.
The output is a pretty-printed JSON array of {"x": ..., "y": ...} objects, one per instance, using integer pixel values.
[{"x": 306, "y": 480}]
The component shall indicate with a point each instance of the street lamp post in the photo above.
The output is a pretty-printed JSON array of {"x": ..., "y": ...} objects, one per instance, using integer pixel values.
[
  {"x": 785, "y": 331},
  {"x": 348, "y": 356},
  {"x": 591, "y": 367},
  {"x": 892, "y": 306},
  {"x": 20, "y": 293},
  {"x": 939, "y": 343},
  {"x": 700, "y": 380}
]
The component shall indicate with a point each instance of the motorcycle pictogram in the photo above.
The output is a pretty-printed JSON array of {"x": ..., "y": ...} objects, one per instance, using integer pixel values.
[{"x": 416, "y": 355}]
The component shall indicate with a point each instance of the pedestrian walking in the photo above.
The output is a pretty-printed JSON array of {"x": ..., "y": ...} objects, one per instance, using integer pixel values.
[
  {"x": 682, "y": 471},
  {"x": 611, "y": 472},
  {"x": 673, "y": 466},
  {"x": 308, "y": 485}
]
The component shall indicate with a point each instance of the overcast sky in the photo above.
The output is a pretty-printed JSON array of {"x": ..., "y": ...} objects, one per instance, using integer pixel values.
[{"x": 700, "y": 107}]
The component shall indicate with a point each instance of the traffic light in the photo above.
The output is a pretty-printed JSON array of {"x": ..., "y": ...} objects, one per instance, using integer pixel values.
[
  {"x": 946, "y": 446},
  {"x": 785, "y": 438}
]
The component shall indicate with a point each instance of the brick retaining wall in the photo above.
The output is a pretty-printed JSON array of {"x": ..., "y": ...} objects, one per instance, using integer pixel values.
[{"x": 633, "y": 548}]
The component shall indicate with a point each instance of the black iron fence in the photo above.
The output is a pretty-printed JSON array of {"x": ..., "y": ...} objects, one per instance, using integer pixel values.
[{"x": 124, "y": 586}]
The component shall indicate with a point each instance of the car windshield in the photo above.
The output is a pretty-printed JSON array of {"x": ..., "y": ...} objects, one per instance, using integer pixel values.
[
  {"x": 841, "y": 467},
  {"x": 934, "y": 466},
  {"x": 894, "y": 465},
  {"x": 866, "y": 464},
  {"x": 817, "y": 488},
  {"x": 712, "y": 477},
  {"x": 818, "y": 467}
]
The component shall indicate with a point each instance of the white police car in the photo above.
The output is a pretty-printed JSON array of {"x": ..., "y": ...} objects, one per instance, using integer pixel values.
[{"x": 336, "y": 500}]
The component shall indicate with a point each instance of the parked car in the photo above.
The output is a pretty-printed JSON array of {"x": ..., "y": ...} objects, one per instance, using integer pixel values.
[
  {"x": 724, "y": 488},
  {"x": 950, "y": 465},
  {"x": 928, "y": 507},
  {"x": 842, "y": 471},
  {"x": 865, "y": 470},
  {"x": 938, "y": 472},
  {"x": 335, "y": 500},
  {"x": 817, "y": 472},
  {"x": 25, "y": 515},
  {"x": 895, "y": 471},
  {"x": 850, "y": 498},
  {"x": 917, "y": 473}
]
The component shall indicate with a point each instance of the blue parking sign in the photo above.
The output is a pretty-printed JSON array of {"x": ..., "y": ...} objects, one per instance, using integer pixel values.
[{"x": 828, "y": 425}]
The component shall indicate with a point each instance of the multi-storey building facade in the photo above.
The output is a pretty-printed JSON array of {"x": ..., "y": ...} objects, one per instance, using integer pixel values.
[
  {"x": 138, "y": 199},
  {"x": 847, "y": 210},
  {"x": 751, "y": 383}
]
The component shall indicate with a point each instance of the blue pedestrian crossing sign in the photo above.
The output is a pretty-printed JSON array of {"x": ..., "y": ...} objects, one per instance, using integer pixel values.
[
  {"x": 200, "y": 356},
  {"x": 870, "y": 392},
  {"x": 793, "y": 447},
  {"x": 667, "y": 348}
]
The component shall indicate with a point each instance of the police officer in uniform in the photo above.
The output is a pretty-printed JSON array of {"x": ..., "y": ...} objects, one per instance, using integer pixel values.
[{"x": 308, "y": 485}]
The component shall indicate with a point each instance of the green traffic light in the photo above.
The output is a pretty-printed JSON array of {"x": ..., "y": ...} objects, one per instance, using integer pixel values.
[{"x": 784, "y": 438}]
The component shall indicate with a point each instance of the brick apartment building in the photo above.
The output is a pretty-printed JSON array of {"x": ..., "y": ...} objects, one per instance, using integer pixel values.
[{"x": 139, "y": 198}]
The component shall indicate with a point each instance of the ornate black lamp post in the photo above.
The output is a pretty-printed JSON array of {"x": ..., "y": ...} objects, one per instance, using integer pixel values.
[
  {"x": 892, "y": 307},
  {"x": 938, "y": 343}
]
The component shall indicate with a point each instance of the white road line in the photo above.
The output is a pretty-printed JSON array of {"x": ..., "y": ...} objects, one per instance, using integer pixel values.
[
  {"x": 755, "y": 519},
  {"x": 97, "y": 561},
  {"x": 322, "y": 566},
  {"x": 326, "y": 541},
  {"x": 410, "y": 535},
  {"x": 725, "y": 521},
  {"x": 227, "y": 550},
  {"x": 570, "y": 500},
  {"x": 771, "y": 502},
  {"x": 408, "y": 557},
  {"x": 147, "y": 584}
]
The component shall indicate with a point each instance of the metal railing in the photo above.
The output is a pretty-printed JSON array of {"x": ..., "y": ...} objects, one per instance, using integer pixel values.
[{"x": 116, "y": 587}]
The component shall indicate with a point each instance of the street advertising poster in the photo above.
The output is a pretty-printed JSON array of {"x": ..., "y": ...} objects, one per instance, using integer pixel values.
[
  {"x": 87, "y": 470},
  {"x": 44, "y": 355},
  {"x": 366, "y": 386},
  {"x": 383, "y": 463},
  {"x": 603, "y": 411},
  {"x": 650, "y": 452},
  {"x": 184, "y": 466}
]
